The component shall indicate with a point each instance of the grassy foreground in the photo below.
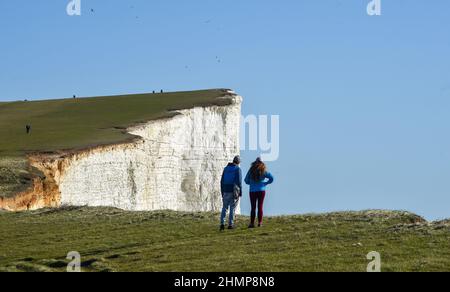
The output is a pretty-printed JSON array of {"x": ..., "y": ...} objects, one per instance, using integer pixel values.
[
  {"x": 71, "y": 124},
  {"x": 114, "y": 240}
]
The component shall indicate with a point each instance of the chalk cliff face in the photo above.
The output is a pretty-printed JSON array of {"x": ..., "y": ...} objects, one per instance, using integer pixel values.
[{"x": 175, "y": 163}]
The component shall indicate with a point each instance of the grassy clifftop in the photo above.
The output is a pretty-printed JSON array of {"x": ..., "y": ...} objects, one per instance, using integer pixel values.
[
  {"x": 114, "y": 240},
  {"x": 69, "y": 124}
]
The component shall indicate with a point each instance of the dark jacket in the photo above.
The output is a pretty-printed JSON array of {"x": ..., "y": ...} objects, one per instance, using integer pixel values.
[{"x": 231, "y": 177}]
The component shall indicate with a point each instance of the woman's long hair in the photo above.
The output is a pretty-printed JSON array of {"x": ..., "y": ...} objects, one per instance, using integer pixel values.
[{"x": 258, "y": 170}]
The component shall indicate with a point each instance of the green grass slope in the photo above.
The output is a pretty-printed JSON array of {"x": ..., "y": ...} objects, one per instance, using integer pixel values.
[
  {"x": 70, "y": 124},
  {"x": 114, "y": 240}
]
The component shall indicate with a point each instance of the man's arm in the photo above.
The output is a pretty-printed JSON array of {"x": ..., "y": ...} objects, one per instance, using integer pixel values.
[
  {"x": 221, "y": 183},
  {"x": 239, "y": 181}
]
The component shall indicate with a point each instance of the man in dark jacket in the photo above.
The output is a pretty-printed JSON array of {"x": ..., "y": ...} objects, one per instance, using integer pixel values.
[{"x": 231, "y": 188}]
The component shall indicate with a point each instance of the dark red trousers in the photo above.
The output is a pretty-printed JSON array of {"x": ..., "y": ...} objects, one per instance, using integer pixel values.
[{"x": 257, "y": 200}]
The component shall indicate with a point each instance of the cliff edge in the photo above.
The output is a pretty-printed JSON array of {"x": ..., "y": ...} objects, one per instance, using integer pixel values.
[{"x": 171, "y": 159}]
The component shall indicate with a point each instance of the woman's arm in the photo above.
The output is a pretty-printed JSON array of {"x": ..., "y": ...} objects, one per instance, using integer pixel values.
[
  {"x": 270, "y": 178},
  {"x": 247, "y": 178}
]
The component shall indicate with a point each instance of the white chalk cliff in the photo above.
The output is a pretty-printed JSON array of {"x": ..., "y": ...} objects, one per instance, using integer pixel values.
[{"x": 175, "y": 163}]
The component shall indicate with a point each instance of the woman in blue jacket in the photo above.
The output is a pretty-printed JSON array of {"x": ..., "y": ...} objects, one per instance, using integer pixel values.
[{"x": 258, "y": 178}]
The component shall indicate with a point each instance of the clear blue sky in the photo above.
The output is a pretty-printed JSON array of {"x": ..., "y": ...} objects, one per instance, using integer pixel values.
[{"x": 364, "y": 102}]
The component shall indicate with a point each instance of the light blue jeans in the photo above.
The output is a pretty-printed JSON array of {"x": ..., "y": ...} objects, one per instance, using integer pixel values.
[{"x": 229, "y": 202}]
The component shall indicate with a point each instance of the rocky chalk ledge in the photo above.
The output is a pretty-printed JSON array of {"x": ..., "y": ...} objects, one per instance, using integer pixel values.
[{"x": 174, "y": 163}]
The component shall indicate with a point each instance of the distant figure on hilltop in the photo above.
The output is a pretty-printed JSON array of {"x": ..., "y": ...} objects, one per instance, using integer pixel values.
[
  {"x": 162, "y": 91},
  {"x": 258, "y": 178},
  {"x": 28, "y": 128},
  {"x": 231, "y": 189}
]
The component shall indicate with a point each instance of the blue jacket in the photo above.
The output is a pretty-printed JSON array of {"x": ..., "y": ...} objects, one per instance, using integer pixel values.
[
  {"x": 231, "y": 177},
  {"x": 259, "y": 186}
]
